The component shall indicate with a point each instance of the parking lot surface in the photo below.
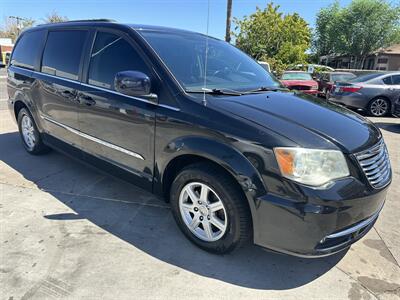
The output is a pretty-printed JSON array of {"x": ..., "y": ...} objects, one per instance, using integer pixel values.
[{"x": 68, "y": 231}]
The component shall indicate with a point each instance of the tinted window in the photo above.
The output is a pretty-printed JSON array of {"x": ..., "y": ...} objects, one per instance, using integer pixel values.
[
  {"x": 62, "y": 53},
  {"x": 387, "y": 80},
  {"x": 396, "y": 79},
  {"x": 342, "y": 77},
  {"x": 112, "y": 54},
  {"x": 28, "y": 49}
]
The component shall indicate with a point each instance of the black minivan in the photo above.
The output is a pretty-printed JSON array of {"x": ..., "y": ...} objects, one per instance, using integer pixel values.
[{"x": 195, "y": 120}]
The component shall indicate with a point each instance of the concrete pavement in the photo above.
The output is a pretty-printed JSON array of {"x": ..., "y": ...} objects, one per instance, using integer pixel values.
[{"x": 68, "y": 231}]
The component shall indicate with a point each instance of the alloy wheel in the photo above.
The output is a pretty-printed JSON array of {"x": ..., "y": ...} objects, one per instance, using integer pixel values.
[
  {"x": 203, "y": 212},
  {"x": 379, "y": 107},
  {"x": 28, "y": 131}
]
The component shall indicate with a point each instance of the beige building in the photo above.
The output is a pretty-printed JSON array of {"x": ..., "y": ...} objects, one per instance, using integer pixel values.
[{"x": 384, "y": 59}]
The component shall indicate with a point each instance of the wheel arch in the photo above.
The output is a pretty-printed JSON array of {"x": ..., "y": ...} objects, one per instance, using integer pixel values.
[
  {"x": 18, "y": 105},
  {"x": 21, "y": 102},
  {"x": 382, "y": 97},
  {"x": 191, "y": 150}
]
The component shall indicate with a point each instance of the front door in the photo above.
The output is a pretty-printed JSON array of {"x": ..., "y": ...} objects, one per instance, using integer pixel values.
[{"x": 115, "y": 127}]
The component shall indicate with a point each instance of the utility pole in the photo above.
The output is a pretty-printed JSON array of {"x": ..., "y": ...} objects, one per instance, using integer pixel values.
[
  {"x": 18, "y": 21},
  {"x": 228, "y": 20}
]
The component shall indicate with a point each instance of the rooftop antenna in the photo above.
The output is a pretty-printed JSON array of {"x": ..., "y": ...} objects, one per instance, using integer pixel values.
[{"x": 206, "y": 56}]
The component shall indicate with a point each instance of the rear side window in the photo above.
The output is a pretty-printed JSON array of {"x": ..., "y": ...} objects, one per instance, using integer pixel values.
[
  {"x": 62, "y": 53},
  {"x": 112, "y": 54},
  {"x": 396, "y": 79},
  {"x": 387, "y": 80},
  {"x": 27, "y": 51}
]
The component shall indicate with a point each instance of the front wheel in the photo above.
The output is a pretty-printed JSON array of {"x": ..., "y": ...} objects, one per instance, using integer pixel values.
[
  {"x": 209, "y": 208},
  {"x": 327, "y": 94},
  {"x": 379, "y": 107}
]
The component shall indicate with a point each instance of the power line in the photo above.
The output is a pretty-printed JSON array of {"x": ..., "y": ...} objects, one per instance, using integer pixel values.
[{"x": 18, "y": 20}]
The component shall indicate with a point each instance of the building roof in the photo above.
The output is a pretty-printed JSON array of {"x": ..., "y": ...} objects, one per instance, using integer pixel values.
[{"x": 394, "y": 49}]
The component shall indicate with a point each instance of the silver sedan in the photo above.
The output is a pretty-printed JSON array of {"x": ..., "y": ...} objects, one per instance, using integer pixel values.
[{"x": 376, "y": 93}]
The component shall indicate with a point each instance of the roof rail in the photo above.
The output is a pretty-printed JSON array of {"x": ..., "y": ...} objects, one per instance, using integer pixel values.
[
  {"x": 93, "y": 20},
  {"x": 77, "y": 21}
]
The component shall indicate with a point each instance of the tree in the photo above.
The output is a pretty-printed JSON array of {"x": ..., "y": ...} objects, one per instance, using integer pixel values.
[
  {"x": 357, "y": 30},
  {"x": 228, "y": 21},
  {"x": 271, "y": 36},
  {"x": 12, "y": 28},
  {"x": 54, "y": 17},
  {"x": 326, "y": 36}
]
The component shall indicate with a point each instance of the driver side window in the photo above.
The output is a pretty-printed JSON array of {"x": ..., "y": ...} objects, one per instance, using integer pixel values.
[{"x": 112, "y": 54}]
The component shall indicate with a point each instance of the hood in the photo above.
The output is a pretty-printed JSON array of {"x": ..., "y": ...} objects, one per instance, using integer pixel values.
[
  {"x": 299, "y": 82},
  {"x": 308, "y": 121}
]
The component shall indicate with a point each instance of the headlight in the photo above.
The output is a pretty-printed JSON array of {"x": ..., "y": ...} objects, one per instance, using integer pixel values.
[
  {"x": 314, "y": 87},
  {"x": 310, "y": 166}
]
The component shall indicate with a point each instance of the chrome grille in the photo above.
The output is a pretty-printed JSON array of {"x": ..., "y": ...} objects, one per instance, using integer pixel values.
[{"x": 375, "y": 164}]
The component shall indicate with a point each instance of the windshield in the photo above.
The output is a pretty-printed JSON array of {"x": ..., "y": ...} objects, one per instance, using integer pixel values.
[
  {"x": 365, "y": 77},
  {"x": 296, "y": 76},
  {"x": 227, "y": 67},
  {"x": 342, "y": 77}
]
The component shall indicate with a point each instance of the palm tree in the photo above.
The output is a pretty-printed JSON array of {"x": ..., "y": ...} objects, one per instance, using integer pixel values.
[{"x": 228, "y": 21}]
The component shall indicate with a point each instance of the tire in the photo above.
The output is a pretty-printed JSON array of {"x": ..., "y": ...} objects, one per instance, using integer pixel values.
[
  {"x": 29, "y": 133},
  {"x": 233, "y": 217},
  {"x": 327, "y": 94},
  {"x": 379, "y": 107}
]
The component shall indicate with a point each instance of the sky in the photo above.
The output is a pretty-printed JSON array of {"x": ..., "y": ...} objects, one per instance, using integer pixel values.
[{"x": 184, "y": 14}]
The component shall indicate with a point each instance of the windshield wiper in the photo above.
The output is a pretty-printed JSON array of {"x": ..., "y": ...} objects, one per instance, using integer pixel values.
[
  {"x": 265, "y": 89},
  {"x": 216, "y": 91}
]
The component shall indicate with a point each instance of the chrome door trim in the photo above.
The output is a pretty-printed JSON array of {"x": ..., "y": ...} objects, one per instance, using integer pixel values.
[
  {"x": 57, "y": 77},
  {"x": 117, "y": 93},
  {"x": 94, "y": 139}
]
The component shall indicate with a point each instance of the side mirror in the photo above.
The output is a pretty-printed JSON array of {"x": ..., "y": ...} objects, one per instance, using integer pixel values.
[{"x": 132, "y": 83}]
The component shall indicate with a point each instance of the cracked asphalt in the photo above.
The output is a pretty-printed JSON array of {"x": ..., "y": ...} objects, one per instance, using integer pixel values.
[{"x": 68, "y": 231}]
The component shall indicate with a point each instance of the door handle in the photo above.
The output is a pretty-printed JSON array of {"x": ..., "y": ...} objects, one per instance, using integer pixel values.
[
  {"x": 68, "y": 94},
  {"x": 86, "y": 100}
]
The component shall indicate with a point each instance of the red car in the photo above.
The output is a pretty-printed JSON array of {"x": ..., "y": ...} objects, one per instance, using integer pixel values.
[
  {"x": 300, "y": 81},
  {"x": 327, "y": 81}
]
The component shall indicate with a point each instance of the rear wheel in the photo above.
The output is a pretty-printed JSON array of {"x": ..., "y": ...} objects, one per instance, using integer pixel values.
[
  {"x": 29, "y": 133},
  {"x": 209, "y": 208},
  {"x": 379, "y": 107}
]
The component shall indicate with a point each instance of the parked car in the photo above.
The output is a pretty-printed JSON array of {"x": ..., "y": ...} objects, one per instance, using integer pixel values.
[
  {"x": 327, "y": 80},
  {"x": 374, "y": 93},
  {"x": 300, "y": 81},
  {"x": 237, "y": 155}
]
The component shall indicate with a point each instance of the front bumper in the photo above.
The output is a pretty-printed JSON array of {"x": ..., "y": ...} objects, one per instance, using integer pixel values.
[
  {"x": 310, "y": 92},
  {"x": 322, "y": 223}
]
